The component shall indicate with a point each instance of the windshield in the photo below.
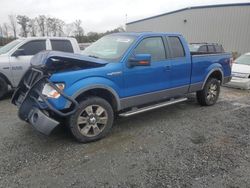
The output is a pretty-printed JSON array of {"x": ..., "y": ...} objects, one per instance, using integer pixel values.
[
  {"x": 110, "y": 48},
  {"x": 244, "y": 59},
  {"x": 9, "y": 46}
]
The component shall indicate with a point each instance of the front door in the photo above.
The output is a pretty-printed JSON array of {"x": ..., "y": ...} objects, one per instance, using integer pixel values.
[
  {"x": 19, "y": 64},
  {"x": 147, "y": 79}
]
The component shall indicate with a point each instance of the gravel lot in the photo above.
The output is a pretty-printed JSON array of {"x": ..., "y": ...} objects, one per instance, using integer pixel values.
[{"x": 183, "y": 145}]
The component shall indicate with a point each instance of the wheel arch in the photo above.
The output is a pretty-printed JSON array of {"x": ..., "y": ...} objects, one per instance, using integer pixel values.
[
  {"x": 6, "y": 79},
  {"x": 214, "y": 73},
  {"x": 102, "y": 91}
]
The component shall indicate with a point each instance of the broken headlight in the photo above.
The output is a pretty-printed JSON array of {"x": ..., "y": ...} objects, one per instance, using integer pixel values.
[{"x": 50, "y": 92}]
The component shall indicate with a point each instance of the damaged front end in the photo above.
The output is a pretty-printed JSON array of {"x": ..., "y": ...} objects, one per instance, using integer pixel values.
[{"x": 34, "y": 107}]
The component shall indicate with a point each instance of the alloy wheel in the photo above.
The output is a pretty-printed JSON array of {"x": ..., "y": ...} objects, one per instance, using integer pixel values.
[
  {"x": 212, "y": 92},
  {"x": 92, "y": 120}
]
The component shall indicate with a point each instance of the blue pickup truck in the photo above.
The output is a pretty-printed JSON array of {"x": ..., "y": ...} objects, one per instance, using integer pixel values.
[{"x": 119, "y": 75}]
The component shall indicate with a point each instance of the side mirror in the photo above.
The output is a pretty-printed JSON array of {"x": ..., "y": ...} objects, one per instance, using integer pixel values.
[
  {"x": 18, "y": 52},
  {"x": 140, "y": 60}
]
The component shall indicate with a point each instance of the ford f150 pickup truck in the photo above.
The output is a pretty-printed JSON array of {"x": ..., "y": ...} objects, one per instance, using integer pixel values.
[
  {"x": 121, "y": 74},
  {"x": 15, "y": 57}
]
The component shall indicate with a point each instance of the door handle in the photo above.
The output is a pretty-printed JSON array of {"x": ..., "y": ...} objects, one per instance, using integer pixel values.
[{"x": 168, "y": 67}]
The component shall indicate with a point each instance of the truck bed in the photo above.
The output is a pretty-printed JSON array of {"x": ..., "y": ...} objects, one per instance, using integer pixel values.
[{"x": 202, "y": 63}]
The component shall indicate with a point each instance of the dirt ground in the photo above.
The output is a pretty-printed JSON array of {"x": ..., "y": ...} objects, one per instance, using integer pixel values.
[{"x": 184, "y": 145}]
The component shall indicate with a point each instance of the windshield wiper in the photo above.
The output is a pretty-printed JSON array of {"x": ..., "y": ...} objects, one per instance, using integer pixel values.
[{"x": 93, "y": 56}]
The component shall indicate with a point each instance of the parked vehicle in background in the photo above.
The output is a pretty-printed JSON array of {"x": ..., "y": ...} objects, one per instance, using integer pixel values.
[
  {"x": 15, "y": 57},
  {"x": 208, "y": 48},
  {"x": 84, "y": 45},
  {"x": 120, "y": 74},
  {"x": 241, "y": 72}
]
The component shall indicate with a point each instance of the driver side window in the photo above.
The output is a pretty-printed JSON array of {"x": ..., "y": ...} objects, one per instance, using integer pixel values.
[
  {"x": 153, "y": 46},
  {"x": 33, "y": 47}
]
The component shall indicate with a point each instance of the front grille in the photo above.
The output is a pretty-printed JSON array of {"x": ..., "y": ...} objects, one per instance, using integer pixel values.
[
  {"x": 31, "y": 77},
  {"x": 29, "y": 94}
]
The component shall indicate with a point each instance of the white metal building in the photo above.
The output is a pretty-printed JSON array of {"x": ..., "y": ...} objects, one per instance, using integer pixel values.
[{"x": 227, "y": 24}]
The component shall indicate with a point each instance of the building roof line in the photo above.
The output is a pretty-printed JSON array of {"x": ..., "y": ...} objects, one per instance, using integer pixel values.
[{"x": 188, "y": 8}]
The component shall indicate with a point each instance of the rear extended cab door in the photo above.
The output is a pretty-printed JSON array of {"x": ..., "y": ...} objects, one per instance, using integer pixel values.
[{"x": 180, "y": 64}]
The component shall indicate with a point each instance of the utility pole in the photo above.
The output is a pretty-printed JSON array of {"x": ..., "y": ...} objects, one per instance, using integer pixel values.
[{"x": 126, "y": 20}]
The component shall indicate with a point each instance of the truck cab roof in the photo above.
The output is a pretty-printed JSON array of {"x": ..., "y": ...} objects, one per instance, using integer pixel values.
[{"x": 35, "y": 38}]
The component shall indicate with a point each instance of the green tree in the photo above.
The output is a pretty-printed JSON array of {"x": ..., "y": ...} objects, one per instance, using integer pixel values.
[
  {"x": 41, "y": 22},
  {"x": 13, "y": 25},
  {"x": 79, "y": 32},
  {"x": 23, "y": 21}
]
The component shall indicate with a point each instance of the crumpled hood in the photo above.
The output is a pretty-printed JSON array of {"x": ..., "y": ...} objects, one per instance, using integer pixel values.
[{"x": 56, "y": 61}]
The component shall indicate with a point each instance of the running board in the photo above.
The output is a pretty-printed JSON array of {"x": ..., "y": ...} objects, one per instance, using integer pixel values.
[{"x": 152, "y": 107}]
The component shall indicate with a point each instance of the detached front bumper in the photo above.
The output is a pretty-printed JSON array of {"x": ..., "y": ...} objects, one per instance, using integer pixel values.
[
  {"x": 34, "y": 107},
  {"x": 242, "y": 83},
  {"x": 41, "y": 122}
]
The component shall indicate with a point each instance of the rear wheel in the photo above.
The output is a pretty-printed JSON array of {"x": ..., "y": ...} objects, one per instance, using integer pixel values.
[
  {"x": 92, "y": 121},
  {"x": 210, "y": 93},
  {"x": 3, "y": 88}
]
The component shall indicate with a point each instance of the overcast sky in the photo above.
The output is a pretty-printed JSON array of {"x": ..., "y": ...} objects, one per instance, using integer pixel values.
[{"x": 98, "y": 15}]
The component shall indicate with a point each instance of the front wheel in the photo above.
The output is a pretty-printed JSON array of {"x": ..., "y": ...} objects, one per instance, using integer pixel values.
[
  {"x": 210, "y": 93},
  {"x": 92, "y": 121}
]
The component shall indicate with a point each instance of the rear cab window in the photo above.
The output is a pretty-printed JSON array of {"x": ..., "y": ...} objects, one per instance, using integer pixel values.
[
  {"x": 211, "y": 48},
  {"x": 61, "y": 45},
  {"x": 176, "y": 46},
  {"x": 203, "y": 48},
  {"x": 219, "y": 48}
]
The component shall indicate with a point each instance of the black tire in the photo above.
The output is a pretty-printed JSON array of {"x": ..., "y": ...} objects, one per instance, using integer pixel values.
[
  {"x": 94, "y": 103},
  {"x": 3, "y": 88},
  {"x": 209, "y": 96}
]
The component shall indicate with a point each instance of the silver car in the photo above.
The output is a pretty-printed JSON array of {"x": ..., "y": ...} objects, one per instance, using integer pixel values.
[{"x": 241, "y": 72}]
